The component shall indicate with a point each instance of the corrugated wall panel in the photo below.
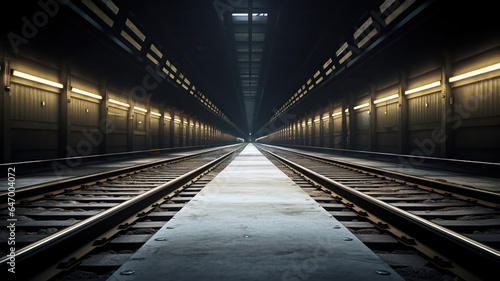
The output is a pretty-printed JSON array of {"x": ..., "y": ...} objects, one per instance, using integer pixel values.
[
  {"x": 118, "y": 117},
  {"x": 84, "y": 113},
  {"x": 26, "y": 104},
  {"x": 419, "y": 113},
  {"x": 155, "y": 126},
  {"x": 387, "y": 115},
  {"x": 362, "y": 120},
  {"x": 480, "y": 99}
]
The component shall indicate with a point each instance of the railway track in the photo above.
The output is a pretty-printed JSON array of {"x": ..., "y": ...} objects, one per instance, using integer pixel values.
[
  {"x": 59, "y": 223},
  {"x": 457, "y": 229}
]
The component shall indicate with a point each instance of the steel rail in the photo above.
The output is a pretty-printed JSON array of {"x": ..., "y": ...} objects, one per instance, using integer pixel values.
[
  {"x": 50, "y": 251},
  {"x": 491, "y": 199},
  {"x": 41, "y": 189},
  {"x": 465, "y": 257}
]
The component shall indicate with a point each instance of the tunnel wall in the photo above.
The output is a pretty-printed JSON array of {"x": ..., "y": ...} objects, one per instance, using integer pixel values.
[
  {"x": 457, "y": 117},
  {"x": 41, "y": 121}
]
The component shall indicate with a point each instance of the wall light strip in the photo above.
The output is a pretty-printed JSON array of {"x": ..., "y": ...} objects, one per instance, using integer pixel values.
[
  {"x": 316, "y": 120},
  {"x": 336, "y": 114},
  {"x": 177, "y": 120},
  {"x": 425, "y": 87},
  {"x": 140, "y": 109},
  {"x": 36, "y": 79},
  {"x": 82, "y": 92},
  {"x": 475, "y": 72},
  {"x": 361, "y": 106},
  {"x": 156, "y": 114},
  {"x": 395, "y": 96},
  {"x": 167, "y": 117},
  {"x": 325, "y": 117},
  {"x": 118, "y": 102}
]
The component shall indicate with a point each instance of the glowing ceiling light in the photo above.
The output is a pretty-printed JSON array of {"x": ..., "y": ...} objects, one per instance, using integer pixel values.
[
  {"x": 118, "y": 102},
  {"x": 82, "y": 92},
  {"x": 425, "y": 87},
  {"x": 475, "y": 72},
  {"x": 36, "y": 79},
  {"x": 395, "y": 96},
  {"x": 361, "y": 106},
  {"x": 140, "y": 109}
]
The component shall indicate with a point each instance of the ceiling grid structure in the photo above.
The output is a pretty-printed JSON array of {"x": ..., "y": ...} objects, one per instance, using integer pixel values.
[{"x": 249, "y": 28}]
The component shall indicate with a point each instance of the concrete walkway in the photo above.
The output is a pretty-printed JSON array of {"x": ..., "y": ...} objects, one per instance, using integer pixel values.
[{"x": 252, "y": 222}]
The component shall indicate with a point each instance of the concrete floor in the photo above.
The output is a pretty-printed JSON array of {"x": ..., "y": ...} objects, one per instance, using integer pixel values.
[{"x": 252, "y": 222}]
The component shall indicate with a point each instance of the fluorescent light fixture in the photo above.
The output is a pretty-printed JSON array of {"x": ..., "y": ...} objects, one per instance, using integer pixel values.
[
  {"x": 140, "y": 109},
  {"x": 336, "y": 114},
  {"x": 100, "y": 13},
  {"x": 475, "y": 72},
  {"x": 156, "y": 114},
  {"x": 309, "y": 123},
  {"x": 325, "y": 117},
  {"x": 167, "y": 117},
  {"x": 316, "y": 120},
  {"x": 425, "y": 87},
  {"x": 361, "y": 106},
  {"x": 118, "y": 102},
  {"x": 344, "y": 58},
  {"x": 37, "y": 79},
  {"x": 319, "y": 80},
  {"x": 395, "y": 96},
  {"x": 177, "y": 120},
  {"x": 151, "y": 58},
  {"x": 156, "y": 51},
  {"x": 82, "y": 92},
  {"x": 327, "y": 63}
]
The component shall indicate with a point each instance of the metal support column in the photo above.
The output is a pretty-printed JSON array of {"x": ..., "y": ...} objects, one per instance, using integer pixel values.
[{"x": 64, "y": 101}]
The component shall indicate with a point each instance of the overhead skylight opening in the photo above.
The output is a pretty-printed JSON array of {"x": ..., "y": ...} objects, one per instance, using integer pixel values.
[
  {"x": 135, "y": 30},
  {"x": 131, "y": 40},
  {"x": 111, "y": 6},
  {"x": 341, "y": 49},
  {"x": 100, "y": 13},
  {"x": 386, "y": 5},
  {"x": 317, "y": 74},
  {"x": 156, "y": 51},
  {"x": 327, "y": 63},
  {"x": 151, "y": 58},
  {"x": 363, "y": 27},
  {"x": 344, "y": 58}
]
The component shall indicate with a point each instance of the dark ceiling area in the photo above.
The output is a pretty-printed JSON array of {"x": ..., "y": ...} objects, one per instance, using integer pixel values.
[{"x": 247, "y": 56}]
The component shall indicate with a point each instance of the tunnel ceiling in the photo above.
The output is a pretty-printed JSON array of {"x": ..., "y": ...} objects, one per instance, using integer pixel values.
[
  {"x": 247, "y": 57},
  {"x": 249, "y": 65}
]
